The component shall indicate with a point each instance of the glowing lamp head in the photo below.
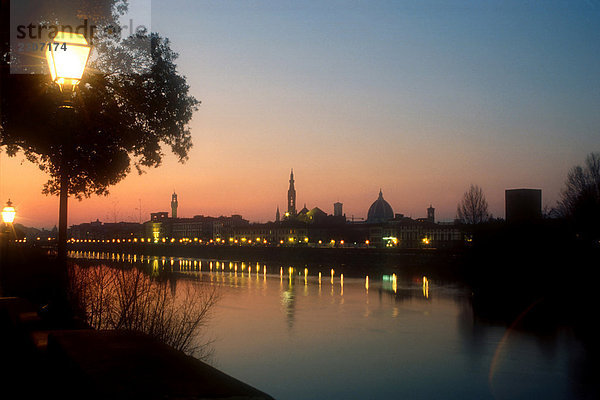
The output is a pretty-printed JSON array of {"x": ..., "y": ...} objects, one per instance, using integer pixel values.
[
  {"x": 67, "y": 55},
  {"x": 8, "y": 213}
]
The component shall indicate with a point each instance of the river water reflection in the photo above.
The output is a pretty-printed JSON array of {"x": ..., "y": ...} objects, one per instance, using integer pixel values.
[{"x": 318, "y": 334}]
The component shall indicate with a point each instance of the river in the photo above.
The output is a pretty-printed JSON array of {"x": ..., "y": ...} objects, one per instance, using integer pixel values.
[{"x": 333, "y": 333}]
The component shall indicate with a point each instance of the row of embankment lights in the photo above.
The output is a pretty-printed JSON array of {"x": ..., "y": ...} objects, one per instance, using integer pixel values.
[
  {"x": 197, "y": 240},
  {"x": 258, "y": 240},
  {"x": 188, "y": 240}
]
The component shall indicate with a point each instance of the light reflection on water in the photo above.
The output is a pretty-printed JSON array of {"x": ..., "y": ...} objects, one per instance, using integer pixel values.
[{"x": 287, "y": 331}]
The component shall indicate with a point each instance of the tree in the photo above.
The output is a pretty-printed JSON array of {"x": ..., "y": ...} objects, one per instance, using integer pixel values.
[
  {"x": 473, "y": 208},
  {"x": 580, "y": 199},
  {"x": 133, "y": 102},
  {"x": 120, "y": 120}
]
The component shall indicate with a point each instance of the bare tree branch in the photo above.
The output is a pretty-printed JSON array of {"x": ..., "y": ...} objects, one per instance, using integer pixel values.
[
  {"x": 112, "y": 298},
  {"x": 473, "y": 208}
]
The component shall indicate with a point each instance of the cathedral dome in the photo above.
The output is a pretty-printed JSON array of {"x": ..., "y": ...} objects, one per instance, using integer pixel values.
[{"x": 380, "y": 210}]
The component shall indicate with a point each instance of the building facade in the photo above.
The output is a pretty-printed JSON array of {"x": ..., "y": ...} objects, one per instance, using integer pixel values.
[
  {"x": 97, "y": 230},
  {"x": 412, "y": 234},
  {"x": 523, "y": 205}
]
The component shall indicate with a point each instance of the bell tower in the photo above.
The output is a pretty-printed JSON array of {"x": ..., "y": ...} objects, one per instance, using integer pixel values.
[
  {"x": 431, "y": 214},
  {"x": 174, "y": 205}
]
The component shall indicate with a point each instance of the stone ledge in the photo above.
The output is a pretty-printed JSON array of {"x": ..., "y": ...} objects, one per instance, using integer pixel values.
[{"x": 84, "y": 363}]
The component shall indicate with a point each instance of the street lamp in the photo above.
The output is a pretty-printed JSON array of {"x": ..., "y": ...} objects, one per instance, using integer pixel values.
[
  {"x": 8, "y": 217},
  {"x": 8, "y": 213},
  {"x": 67, "y": 55}
]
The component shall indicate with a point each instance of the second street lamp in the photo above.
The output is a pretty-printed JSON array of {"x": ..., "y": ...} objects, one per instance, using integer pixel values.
[
  {"x": 67, "y": 55},
  {"x": 8, "y": 217},
  {"x": 8, "y": 213}
]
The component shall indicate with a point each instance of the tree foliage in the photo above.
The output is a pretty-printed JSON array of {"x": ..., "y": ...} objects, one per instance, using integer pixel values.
[
  {"x": 580, "y": 199},
  {"x": 473, "y": 208},
  {"x": 131, "y": 103}
]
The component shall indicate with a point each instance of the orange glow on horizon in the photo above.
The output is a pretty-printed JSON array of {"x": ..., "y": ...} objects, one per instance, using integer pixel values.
[{"x": 206, "y": 198}]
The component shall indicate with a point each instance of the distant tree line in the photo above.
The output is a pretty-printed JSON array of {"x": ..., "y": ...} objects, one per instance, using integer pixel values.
[{"x": 580, "y": 199}]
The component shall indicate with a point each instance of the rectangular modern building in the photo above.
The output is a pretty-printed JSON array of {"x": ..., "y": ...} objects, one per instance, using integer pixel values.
[{"x": 523, "y": 205}]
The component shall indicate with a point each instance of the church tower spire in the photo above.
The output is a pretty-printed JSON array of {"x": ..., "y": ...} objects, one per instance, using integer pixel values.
[
  {"x": 277, "y": 215},
  {"x": 292, "y": 196}
]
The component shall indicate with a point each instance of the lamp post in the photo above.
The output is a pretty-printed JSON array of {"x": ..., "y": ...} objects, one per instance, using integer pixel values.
[
  {"x": 8, "y": 217},
  {"x": 67, "y": 55}
]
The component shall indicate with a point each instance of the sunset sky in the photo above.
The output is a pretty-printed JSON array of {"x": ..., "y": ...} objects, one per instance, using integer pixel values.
[{"x": 418, "y": 98}]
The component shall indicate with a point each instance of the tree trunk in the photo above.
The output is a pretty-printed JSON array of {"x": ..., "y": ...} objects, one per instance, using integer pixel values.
[{"x": 62, "y": 217}]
